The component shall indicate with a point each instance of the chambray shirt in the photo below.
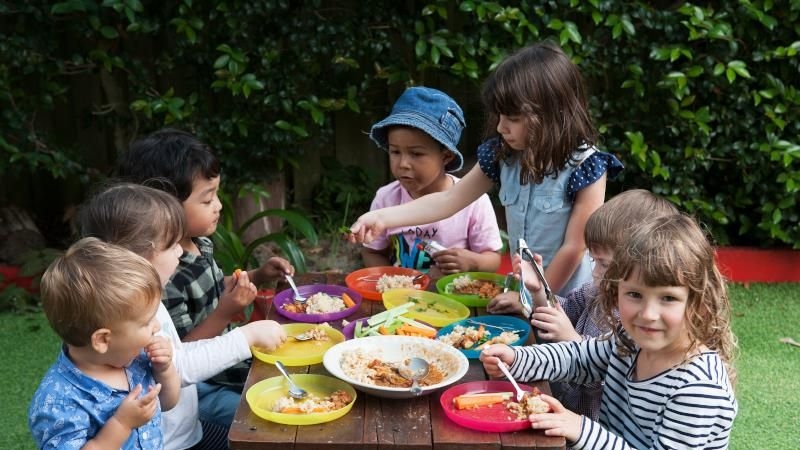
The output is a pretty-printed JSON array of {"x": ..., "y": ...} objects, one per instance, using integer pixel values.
[
  {"x": 539, "y": 213},
  {"x": 69, "y": 407},
  {"x": 192, "y": 293}
]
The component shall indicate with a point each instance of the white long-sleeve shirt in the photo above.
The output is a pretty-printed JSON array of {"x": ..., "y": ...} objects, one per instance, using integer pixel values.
[
  {"x": 195, "y": 361},
  {"x": 689, "y": 406}
]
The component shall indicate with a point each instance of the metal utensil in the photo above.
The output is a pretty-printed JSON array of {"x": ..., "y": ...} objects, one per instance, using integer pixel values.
[
  {"x": 294, "y": 390},
  {"x": 297, "y": 297},
  {"x": 504, "y": 369},
  {"x": 507, "y": 283},
  {"x": 414, "y": 369},
  {"x": 526, "y": 254},
  {"x": 302, "y": 337}
]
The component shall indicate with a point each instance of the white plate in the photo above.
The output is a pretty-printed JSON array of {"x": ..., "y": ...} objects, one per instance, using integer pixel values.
[{"x": 397, "y": 349}]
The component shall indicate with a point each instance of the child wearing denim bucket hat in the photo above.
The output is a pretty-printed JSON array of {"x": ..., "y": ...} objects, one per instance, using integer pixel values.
[{"x": 421, "y": 136}]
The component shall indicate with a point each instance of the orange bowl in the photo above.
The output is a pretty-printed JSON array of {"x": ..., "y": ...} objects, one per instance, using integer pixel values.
[{"x": 363, "y": 280}]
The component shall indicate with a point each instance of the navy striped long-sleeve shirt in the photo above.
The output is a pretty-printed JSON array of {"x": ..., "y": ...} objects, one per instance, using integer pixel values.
[{"x": 688, "y": 406}]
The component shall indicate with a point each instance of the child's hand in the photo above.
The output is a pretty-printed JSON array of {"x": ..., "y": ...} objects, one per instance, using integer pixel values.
[
  {"x": 366, "y": 228},
  {"x": 560, "y": 422},
  {"x": 266, "y": 334},
  {"x": 453, "y": 260},
  {"x": 505, "y": 303},
  {"x": 134, "y": 412},
  {"x": 275, "y": 267},
  {"x": 491, "y": 355},
  {"x": 159, "y": 351},
  {"x": 531, "y": 279},
  {"x": 239, "y": 292},
  {"x": 554, "y": 325}
]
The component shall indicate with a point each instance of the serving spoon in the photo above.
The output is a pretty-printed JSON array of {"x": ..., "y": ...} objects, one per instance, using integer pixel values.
[
  {"x": 295, "y": 391},
  {"x": 414, "y": 369}
]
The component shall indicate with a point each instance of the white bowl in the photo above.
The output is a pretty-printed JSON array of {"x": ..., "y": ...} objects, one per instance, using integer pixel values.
[{"x": 396, "y": 349}]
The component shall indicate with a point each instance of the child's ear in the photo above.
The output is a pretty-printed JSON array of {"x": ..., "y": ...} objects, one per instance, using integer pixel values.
[
  {"x": 447, "y": 156},
  {"x": 101, "y": 339}
]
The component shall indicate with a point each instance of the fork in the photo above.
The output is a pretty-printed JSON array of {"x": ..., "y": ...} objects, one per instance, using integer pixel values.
[{"x": 504, "y": 369}]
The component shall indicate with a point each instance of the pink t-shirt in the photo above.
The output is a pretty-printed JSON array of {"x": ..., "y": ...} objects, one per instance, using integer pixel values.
[{"x": 474, "y": 228}]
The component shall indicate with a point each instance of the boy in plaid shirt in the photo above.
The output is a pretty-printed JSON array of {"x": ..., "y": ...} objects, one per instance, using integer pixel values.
[{"x": 200, "y": 299}]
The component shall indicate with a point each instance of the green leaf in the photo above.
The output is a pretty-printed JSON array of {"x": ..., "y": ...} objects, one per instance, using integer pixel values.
[{"x": 109, "y": 32}]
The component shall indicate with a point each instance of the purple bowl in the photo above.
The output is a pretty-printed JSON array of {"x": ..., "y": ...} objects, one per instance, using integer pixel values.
[{"x": 287, "y": 296}]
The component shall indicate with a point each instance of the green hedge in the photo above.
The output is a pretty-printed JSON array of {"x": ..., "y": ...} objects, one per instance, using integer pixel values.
[{"x": 700, "y": 102}]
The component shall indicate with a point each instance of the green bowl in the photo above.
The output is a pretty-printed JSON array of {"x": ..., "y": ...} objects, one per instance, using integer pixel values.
[{"x": 445, "y": 287}]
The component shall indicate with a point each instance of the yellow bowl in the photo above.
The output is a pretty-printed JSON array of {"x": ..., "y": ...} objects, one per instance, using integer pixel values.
[
  {"x": 263, "y": 395},
  {"x": 434, "y": 309},
  {"x": 300, "y": 353}
]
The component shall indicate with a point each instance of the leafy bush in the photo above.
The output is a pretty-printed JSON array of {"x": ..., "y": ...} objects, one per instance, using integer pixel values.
[{"x": 700, "y": 102}]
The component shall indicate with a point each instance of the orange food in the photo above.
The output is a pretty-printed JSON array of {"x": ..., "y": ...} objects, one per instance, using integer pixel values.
[
  {"x": 410, "y": 330},
  {"x": 477, "y": 400},
  {"x": 236, "y": 274},
  {"x": 347, "y": 300}
]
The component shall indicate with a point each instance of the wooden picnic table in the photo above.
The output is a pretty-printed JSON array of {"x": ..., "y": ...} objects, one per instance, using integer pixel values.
[{"x": 373, "y": 423}]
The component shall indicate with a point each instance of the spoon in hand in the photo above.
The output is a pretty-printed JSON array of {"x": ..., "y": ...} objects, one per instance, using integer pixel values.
[
  {"x": 504, "y": 369},
  {"x": 414, "y": 369},
  {"x": 297, "y": 297},
  {"x": 294, "y": 390}
]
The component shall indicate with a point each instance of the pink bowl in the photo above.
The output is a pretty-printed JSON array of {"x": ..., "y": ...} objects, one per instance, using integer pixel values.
[{"x": 495, "y": 418}]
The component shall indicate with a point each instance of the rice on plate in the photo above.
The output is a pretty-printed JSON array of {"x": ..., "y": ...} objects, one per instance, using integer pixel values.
[
  {"x": 386, "y": 282},
  {"x": 350, "y": 361}
]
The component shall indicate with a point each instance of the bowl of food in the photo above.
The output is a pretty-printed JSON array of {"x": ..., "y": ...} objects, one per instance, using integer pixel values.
[
  {"x": 371, "y": 282},
  {"x": 471, "y": 288},
  {"x": 434, "y": 309},
  {"x": 328, "y": 399},
  {"x": 372, "y": 364},
  {"x": 473, "y": 334},
  {"x": 323, "y": 303}
]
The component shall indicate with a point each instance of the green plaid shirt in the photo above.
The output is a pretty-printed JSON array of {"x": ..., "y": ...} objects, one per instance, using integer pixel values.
[{"x": 190, "y": 296}]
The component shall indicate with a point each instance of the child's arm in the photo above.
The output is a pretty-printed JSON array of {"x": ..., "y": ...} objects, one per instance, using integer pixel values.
[
  {"x": 426, "y": 209},
  {"x": 238, "y": 294},
  {"x": 159, "y": 351},
  {"x": 375, "y": 258},
  {"x": 569, "y": 255},
  {"x": 274, "y": 267}
]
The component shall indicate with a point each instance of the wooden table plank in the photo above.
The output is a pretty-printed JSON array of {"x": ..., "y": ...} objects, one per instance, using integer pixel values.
[{"x": 373, "y": 423}]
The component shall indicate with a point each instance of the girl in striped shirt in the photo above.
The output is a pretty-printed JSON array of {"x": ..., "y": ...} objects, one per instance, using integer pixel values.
[{"x": 667, "y": 365}]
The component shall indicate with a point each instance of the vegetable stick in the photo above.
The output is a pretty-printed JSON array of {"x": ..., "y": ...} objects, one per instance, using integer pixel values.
[
  {"x": 412, "y": 330},
  {"x": 348, "y": 302},
  {"x": 476, "y": 400}
]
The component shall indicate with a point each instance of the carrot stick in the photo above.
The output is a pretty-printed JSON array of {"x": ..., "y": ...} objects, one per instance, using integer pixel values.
[
  {"x": 347, "y": 300},
  {"x": 476, "y": 400},
  {"x": 416, "y": 331}
]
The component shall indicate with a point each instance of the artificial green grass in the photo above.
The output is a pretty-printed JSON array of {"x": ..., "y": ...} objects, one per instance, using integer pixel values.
[{"x": 768, "y": 390}]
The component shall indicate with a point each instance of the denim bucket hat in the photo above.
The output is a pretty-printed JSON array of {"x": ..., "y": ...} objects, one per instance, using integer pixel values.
[{"x": 431, "y": 111}]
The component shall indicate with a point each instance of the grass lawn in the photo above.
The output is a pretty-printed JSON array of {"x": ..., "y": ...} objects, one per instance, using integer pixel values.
[{"x": 768, "y": 389}]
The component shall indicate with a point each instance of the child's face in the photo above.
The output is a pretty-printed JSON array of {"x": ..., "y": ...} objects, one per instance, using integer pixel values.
[
  {"x": 602, "y": 259},
  {"x": 417, "y": 161},
  {"x": 165, "y": 261},
  {"x": 654, "y": 316},
  {"x": 514, "y": 130},
  {"x": 129, "y": 337},
  {"x": 203, "y": 207}
]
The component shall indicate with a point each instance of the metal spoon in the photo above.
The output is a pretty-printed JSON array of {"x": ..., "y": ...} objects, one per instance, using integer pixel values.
[
  {"x": 294, "y": 390},
  {"x": 504, "y": 369},
  {"x": 297, "y": 297},
  {"x": 303, "y": 337},
  {"x": 414, "y": 369}
]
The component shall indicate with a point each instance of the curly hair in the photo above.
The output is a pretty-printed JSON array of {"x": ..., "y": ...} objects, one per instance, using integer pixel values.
[
  {"x": 674, "y": 251},
  {"x": 541, "y": 84}
]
